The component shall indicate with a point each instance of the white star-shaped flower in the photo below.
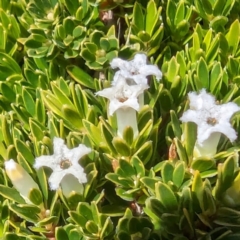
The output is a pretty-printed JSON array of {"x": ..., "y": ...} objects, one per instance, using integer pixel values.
[
  {"x": 123, "y": 95},
  {"x": 136, "y": 69},
  {"x": 209, "y": 116},
  {"x": 64, "y": 161}
]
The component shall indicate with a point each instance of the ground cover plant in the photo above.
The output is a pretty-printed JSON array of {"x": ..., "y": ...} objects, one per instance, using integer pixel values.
[{"x": 119, "y": 119}]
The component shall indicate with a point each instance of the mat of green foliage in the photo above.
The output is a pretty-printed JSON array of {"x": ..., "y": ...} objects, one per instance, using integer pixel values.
[{"x": 55, "y": 55}]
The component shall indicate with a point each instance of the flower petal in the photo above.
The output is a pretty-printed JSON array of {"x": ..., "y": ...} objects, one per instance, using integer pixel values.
[
  {"x": 150, "y": 70},
  {"x": 76, "y": 153},
  {"x": 115, "y": 105},
  {"x": 48, "y": 161}
]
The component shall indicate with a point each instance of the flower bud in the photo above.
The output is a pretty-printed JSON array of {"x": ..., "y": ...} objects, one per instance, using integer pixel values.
[{"x": 20, "y": 179}]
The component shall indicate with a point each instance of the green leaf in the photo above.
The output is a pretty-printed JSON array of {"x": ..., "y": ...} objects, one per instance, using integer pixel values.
[
  {"x": 6, "y": 131},
  {"x": 216, "y": 78},
  {"x": 202, "y": 73},
  {"x": 91, "y": 227},
  {"x": 218, "y": 22},
  {"x": 8, "y": 92},
  {"x": 166, "y": 196},
  {"x": 63, "y": 99},
  {"x": 173, "y": 68},
  {"x": 149, "y": 182},
  {"x": 78, "y": 219},
  {"x": 207, "y": 40},
  {"x": 218, "y": 7},
  {"x": 233, "y": 36},
  {"x": 190, "y": 133},
  {"x": 181, "y": 151},
  {"x": 22, "y": 114},
  {"x": 166, "y": 101},
  {"x": 61, "y": 234},
  {"x": 72, "y": 116},
  {"x": 178, "y": 173},
  {"x": 93, "y": 132},
  {"x": 27, "y": 212},
  {"x": 35, "y": 196},
  {"x": 126, "y": 168},
  {"x": 207, "y": 6},
  {"x": 197, "y": 186},
  {"x": 145, "y": 152},
  {"x": 79, "y": 99},
  {"x": 120, "y": 181},
  {"x": 202, "y": 164},
  {"x": 228, "y": 171},
  {"x": 128, "y": 135},
  {"x": 167, "y": 172},
  {"x": 171, "y": 11},
  {"x": 151, "y": 18},
  {"x": 80, "y": 76},
  {"x": 180, "y": 13},
  {"x": 175, "y": 124},
  {"x": 28, "y": 101},
  {"x": 87, "y": 55},
  {"x": 4, "y": 19},
  {"x": 121, "y": 146},
  {"x": 182, "y": 28},
  {"x": 227, "y": 7},
  {"x": 138, "y": 166},
  {"x": 36, "y": 129},
  {"x": 43, "y": 182},
  {"x": 11, "y": 193},
  {"x": 24, "y": 150},
  {"x": 212, "y": 52},
  {"x": 138, "y": 17},
  {"x": 84, "y": 210}
]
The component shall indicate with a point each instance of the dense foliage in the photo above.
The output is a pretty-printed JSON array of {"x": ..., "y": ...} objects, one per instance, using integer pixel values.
[{"x": 55, "y": 55}]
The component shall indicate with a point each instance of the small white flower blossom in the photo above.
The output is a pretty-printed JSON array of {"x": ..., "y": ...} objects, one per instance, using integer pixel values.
[
  {"x": 64, "y": 161},
  {"x": 136, "y": 69},
  {"x": 123, "y": 95},
  {"x": 209, "y": 116}
]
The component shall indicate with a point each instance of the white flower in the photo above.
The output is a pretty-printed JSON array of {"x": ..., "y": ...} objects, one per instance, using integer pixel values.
[
  {"x": 20, "y": 179},
  {"x": 209, "y": 116},
  {"x": 64, "y": 161},
  {"x": 136, "y": 69},
  {"x": 122, "y": 95}
]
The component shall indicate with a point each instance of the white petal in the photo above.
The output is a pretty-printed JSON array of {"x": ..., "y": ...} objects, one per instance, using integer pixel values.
[
  {"x": 129, "y": 103},
  {"x": 227, "y": 110},
  {"x": 107, "y": 93},
  {"x": 57, "y": 176},
  {"x": 201, "y": 100},
  {"x": 48, "y": 161},
  {"x": 75, "y": 154},
  {"x": 77, "y": 171},
  {"x": 139, "y": 60},
  {"x": 58, "y": 143},
  {"x": 139, "y": 79},
  {"x": 120, "y": 76},
  {"x": 55, "y": 179},
  {"x": 118, "y": 63},
  {"x": 150, "y": 70}
]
